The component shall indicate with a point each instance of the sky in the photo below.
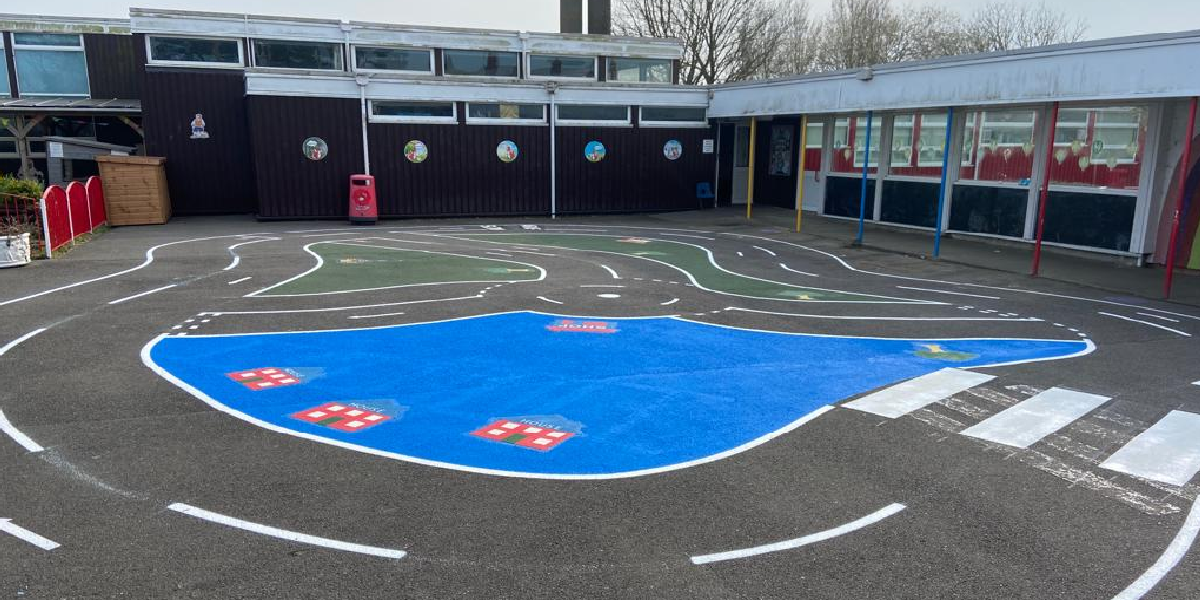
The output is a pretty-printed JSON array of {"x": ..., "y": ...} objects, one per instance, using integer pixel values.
[{"x": 1107, "y": 18}]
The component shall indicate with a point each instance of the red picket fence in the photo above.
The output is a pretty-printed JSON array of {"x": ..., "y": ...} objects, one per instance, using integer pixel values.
[
  {"x": 70, "y": 213},
  {"x": 20, "y": 210}
]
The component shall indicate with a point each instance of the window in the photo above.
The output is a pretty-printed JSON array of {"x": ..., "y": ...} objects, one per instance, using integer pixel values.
[
  {"x": 496, "y": 111},
  {"x": 408, "y": 60},
  {"x": 918, "y": 144},
  {"x": 480, "y": 63},
  {"x": 593, "y": 113},
  {"x": 649, "y": 70},
  {"x": 198, "y": 51},
  {"x": 4, "y": 91},
  {"x": 849, "y": 141},
  {"x": 998, "y": 146},
  {"x": 1099, "y": 147},
  {"x": 50, "y": 64},
  {"x": 674, "y": 115},
  {"x": 312, "y": 56},
  {"x": 741, "y": 146},
  {"x": 813, "y": 145},
  {"x": 420, "y": 112},
  {"x": 553, "y": 65}
]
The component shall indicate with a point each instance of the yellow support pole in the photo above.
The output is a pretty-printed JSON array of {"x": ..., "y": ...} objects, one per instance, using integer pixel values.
[
  {"x": 800, "y": 175},
  {"x": 750, "y": 176}
]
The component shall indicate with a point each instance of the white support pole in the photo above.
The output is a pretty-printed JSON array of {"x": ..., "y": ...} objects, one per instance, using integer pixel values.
[
  {"x": 362, "y": 102},
  {"x": 45, "y": 226},
  {"x": 553, "y": 157}
]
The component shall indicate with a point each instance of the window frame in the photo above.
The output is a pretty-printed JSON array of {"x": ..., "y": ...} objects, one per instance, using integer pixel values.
[
  {"x": 628, "y": 122},
  {"x": 613, "y": 59},
  {"x": 354, "y": 68},
  {"x": 516, "y": 77},
  {"x": 81, "y": 48},
  {"x": 676, "y": 124},
  {"x": 376, "y": 118},
  {"x": 341, "y": 54},
  {"x": 241, "y": 50},
  {"x": 7, "y": 91},
  {"x": 502, "y": 121},
  {"x": 529, "y": 71}
]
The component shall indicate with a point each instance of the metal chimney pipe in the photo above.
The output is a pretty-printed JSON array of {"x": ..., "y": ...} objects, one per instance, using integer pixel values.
[
  {"x": 570, "y": 16},
  {"x": 600, "y": 17}
]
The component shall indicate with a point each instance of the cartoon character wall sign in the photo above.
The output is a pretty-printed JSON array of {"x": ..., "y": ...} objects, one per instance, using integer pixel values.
[
  {"x": 507, "y": 151},
  {"x": 415, "y": 151},
  {"x": 595, "y": 151},
  {"x": 672, "y": 149},
  {"x": 315, "y": 148},
  {"x": 198, "y": 132}
]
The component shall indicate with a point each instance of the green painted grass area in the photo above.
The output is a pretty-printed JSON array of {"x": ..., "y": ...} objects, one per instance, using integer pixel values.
[
  {"x": 348, "y": 267},
  {"x": 690, "y": 258}
]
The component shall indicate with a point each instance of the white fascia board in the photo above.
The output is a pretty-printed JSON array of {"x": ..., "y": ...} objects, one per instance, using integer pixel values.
[
  {"x": 279, "y": 84},
  {"x": 467, "y": 40},
  {"x": 541, "y": 43},
  {"x": 39, "y": 24},
  {"x": 1131, "y": 72},
  {"x": 229, "y": 25}
]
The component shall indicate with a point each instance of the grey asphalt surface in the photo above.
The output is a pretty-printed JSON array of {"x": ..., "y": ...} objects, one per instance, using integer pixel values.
[{"x": 982, "y": 521}]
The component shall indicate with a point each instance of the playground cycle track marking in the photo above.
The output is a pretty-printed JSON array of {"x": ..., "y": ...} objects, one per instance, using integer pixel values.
[
  {"x": 283, "y": 534},
  {"x": 7, "y": 526},
  {"x": 1147, "y": 323},
  {"x": 19, "y": 437}
]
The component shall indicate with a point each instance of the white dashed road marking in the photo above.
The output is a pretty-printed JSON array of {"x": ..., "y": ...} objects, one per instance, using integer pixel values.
[
  {"x": 7, "y": 526},
  {"x": 907, "y": 396},
  {"x": 1169, "y": 451},
  {"x": 1026, "y": 423},
  {"x": 25, "y": 441}
]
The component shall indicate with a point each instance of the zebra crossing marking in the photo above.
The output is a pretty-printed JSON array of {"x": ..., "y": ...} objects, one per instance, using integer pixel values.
[
  {"x": 1030, "y": 421},
  {"x": 1169, "y": 451},
  {"x": 919, "y": 392}
]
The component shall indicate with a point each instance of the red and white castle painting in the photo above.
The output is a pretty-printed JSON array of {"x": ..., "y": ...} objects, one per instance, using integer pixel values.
[
  {"x": 265, "y": 378},
  {"x": 343, "y": 417},
  {"x": 583, "y": 326},
  {"x": 534, "y": 437}
]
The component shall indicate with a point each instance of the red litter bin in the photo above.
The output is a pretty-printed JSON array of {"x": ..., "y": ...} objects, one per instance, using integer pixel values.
[{"x": 363, "y": 209}]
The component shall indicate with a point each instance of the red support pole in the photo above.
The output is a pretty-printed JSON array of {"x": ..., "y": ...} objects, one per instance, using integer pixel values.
[
  {"x": 1184, "y": 164},
  {"x": 1042, "y": 198}
]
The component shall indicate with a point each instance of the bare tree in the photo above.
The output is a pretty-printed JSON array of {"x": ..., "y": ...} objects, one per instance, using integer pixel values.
[
  {"x": 1007, "y": 25},
  {"x": 799, "y": 42},
  {"x": 857, "y": 33}
]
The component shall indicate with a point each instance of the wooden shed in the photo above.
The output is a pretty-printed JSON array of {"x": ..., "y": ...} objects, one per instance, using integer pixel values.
[{"x": 135, "y": 189}]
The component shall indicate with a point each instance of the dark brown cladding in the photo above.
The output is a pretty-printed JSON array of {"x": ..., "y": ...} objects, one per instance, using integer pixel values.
[
  {"x": 210, "y": 175},
  {"x": 290, "y": 186},
  {"x": 115, "y": 64},
  {"x": 634, "y": 175}
]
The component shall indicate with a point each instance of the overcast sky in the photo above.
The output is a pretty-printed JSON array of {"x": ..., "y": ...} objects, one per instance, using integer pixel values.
[{"x": 1107, "y": 18}]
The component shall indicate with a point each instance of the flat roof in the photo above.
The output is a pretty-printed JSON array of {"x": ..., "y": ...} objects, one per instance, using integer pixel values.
[{"x": 30, "y": 105}]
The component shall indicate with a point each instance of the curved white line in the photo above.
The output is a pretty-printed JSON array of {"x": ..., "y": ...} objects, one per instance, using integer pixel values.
[
  {"x": 811, "y": 538},
  {"x": 334, "y": 308},
  {"x": 548, "y": 300},
  {"x": 237, "y": 259},
  {"x": 307, "y": 248},
  {"x": 669, "y": 302},
  {"x": 1155, "y": 325},
  {"x": 610, "y": 271},
  {"x": 1170, "y": 557},
  {"x": 11, "y": 431},
  {"x": 145, "y": 293},
  {"x": 760, "y": 248},
  {"x": 145, "y": 263},
  {"x": 283, "y": 534},
  {"x": 17, "y": 342},
  {"x": 787, "y": 268},
  {"x": 874, "y": 318}
]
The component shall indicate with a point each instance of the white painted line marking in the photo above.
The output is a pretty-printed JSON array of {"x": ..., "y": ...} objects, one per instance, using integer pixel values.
[
  {"x": 1026, "y": 423},
  {"x": 601, "y": 286},
  {"x": 787, "y": 268},
  {"x": 548, "y": 300},
  {"x": 799, "y": 542},
  {"x": 1169, "y": 451},
  {"x": 740, "y": 254},
  {"x": 674, "y": 300},
  {"x": 903, "y": 287},
  {"x": 237, "y": 258},
  {"x": 1196, "y": 383},
  {"x": 610, "y": 271},
  {"x": 145, "y": 293},
  {"x": 874, "y": 318},
  {"x": 13, "y": 344},
  {"x": 907, "y": 396},
  {"x": 1159, "y": 317},
  {"x": 1170, "y": 557},
  {"x": 336, "y": 308},
  {"x": 499, "y": 254},
  {"x": 25, "y": 441},
  {"x": 764, "y": 250},
  {"x": 608, "y": 295},
  {"x": 240, "y": 280},
  {"x": 1155, "y": 325},
  {"x": 283, "y": 534},
  {"x": 7, "y": 526},
  {"x": 688, "y": 236}
]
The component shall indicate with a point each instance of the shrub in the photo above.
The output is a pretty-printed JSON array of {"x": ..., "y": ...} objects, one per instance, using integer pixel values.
[{"x": 21, "y": 187}]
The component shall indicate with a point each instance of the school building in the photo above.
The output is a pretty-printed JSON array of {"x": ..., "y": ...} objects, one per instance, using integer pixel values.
[{"x": 270, "y": 116}]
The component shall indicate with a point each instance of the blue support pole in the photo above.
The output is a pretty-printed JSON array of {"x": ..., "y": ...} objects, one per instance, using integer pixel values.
[
  {"x": 862, "y": 201},
  {"x": 937, "y": 237}
]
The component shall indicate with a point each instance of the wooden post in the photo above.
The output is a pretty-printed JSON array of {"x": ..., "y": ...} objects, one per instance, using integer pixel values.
[{"x": 800, "y": 175}]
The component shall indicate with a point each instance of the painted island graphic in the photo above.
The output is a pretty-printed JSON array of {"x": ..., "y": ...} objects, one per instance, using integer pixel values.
[{"x": 655, "y": 393}]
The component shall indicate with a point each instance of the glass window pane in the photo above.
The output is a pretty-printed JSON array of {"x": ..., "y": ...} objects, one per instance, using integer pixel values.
[
  {"x": 393, "y": 59},
  {"x": 849, "y": 144},
  {"x": 47, "y": 39},
  {"x": 4, "y": 91},
  {"x": 741, "y": 146},
  {"x": 592, "y": 112},
  {"x": 413, "y": 109},
  {"x": 194, "y": 50},
  {"x": 812, "y": 146},
  {"x": 524, "y": 112},
  {"x": 51, "y": 73},
  {"x": 480, "y": 64},
  {"x": 674, "y": 114},
  {"x": 918, "y": 144},
  {"x": 639, "y": 69},
  {"x": 1099, "y": 147},
  {"x": 546, "y": 65},
  {"x": 998, "y": 146},
  {"x": 276, "y": 54}
]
